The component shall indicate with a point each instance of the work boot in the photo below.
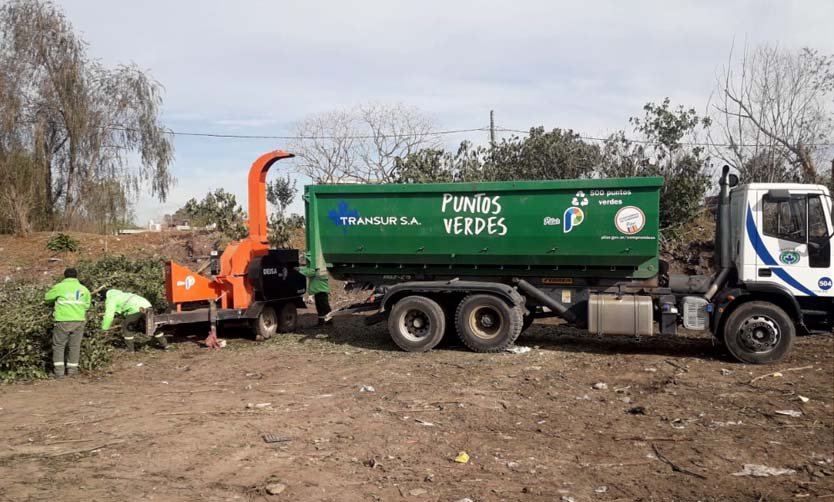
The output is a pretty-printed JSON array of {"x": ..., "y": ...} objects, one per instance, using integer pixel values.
[
  {"x": 160, "y": 339},
  {"x": 72, "y": 372}
]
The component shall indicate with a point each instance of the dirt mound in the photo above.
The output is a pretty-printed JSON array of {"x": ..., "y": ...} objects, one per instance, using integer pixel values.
[
  {"x": 690, "y": 250},
  {"x": 26, "y": 258}
]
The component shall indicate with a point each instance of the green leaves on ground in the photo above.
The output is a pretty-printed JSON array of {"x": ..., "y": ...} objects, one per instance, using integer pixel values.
[{"x": 62, "y": 243}]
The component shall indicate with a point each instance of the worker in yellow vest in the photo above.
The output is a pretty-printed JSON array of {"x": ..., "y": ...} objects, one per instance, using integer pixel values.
[
  {"x": 71, "y": 300},
  {"x": 133, "y": 308}
]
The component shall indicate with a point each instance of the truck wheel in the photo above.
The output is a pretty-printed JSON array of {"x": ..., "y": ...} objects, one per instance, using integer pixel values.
[
  {"x": 266, "y": 324},
  {"x": 485, "y": 323},
  {"x": 287, "y": 318},
  {"x": 759, "y": 333},
  {"x": 417, "y": 323}
]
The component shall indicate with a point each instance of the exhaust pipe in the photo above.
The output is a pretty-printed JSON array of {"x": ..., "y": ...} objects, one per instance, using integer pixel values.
[{"x": 722, "y": 235}]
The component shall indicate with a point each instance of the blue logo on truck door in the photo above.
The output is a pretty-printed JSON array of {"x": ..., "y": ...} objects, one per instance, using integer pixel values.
[{"x": 825, "y": 283}]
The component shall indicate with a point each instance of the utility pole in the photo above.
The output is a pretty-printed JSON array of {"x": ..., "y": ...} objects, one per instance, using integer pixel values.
[{"x": 492, "y": 129}]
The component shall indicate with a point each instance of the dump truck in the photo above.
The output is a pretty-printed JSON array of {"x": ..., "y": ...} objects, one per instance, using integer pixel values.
[{"x": 484, "y": 260}]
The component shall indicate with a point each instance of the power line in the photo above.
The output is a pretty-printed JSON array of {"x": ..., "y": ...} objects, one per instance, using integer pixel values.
[
  {"x": 491, "y": 129},
  {"x": 647, "y": 142},
  {"x": 301, "y": 137}
]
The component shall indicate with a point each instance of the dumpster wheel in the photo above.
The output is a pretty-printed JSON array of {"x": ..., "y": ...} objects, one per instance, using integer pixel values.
[
  {"x": 417, "y": 323},
  {"x": 486, "y": 323}
]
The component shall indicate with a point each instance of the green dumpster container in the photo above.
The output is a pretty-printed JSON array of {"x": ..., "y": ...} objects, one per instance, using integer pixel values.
[{"x": 564, "y": 228}]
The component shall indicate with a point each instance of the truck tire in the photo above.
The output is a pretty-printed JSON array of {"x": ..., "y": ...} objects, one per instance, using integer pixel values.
[
  {"x": 266, "y": 324},
  {"x": 759, "y": 333},
  {"x": 417, "y": 324},
  {"x": 287, "y": 318},
  {"x": 486, "y": 323}
]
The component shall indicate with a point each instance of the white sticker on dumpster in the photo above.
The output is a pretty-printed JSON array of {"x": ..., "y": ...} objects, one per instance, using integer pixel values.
[{"x": 630, "y": 220}]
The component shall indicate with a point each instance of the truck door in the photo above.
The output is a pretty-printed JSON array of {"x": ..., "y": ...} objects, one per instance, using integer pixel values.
[{"x": 794, "y": 249}]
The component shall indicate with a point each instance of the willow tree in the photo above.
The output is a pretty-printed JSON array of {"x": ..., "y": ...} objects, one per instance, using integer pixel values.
[{"x": 78, "y": 123}]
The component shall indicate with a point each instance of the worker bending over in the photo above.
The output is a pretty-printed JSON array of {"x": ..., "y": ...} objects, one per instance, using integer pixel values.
[
  {"x": 72, "y": 300},
  {"x": 319, "y": 287},
  {"x": 133, "y": 307}
]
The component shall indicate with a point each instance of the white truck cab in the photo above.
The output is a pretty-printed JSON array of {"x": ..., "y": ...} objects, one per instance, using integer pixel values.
[
  {"x": 773, "y": 249},
  {"x": 781, "y": 236}
]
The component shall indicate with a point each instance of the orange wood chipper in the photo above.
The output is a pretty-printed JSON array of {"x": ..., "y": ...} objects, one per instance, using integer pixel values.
[{"x": 250, "y": 281}]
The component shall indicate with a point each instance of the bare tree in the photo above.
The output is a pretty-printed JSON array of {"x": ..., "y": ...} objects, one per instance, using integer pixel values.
[
  {"x": 395, "y": 132},
  {"x": 326, "y": 149},
  {"x": 79, "y": 122},
  {"x": 774, "y": 113},
  {"x": 360, "y": 144}
]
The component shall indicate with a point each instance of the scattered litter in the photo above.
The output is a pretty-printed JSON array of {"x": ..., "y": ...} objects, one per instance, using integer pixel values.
[
  {"x": 585, "y": 397},
  {"x": 270, "y": 438},
  {"x": 678, "y": 424},
  {"x": 429, "y": 478},
  {"x": 416, "y": 492},
  {"x": 373, "y": 464},
  {"x": 637, "y": 410},
  {"x": 789, "y": 413},
  {"x": 139, "y": 365},
  {"x": 462, "y": 458},
  {"x": 467, "y": 499},
  {"x": 367, "y": 388},
  {"x": 565, "y": 498},
  {"x": 621, "y": 390},
  {"x": 762, "y": 471},
  {"x": 165, "y": 382},
  {"x": 803, "y": 399},
  {"x": 726, "y": 424},
  {"x": 513, "y": 465},
  {"x": 221, "y": 343},
  {"x": 259, "y": 406},
  {"x": 601, "y": 489},
  {"x": 600, "y": 386},
  {"x": 423, "y": 422},
  {"x": 275, "y": 488},
  {"x": 726, "y": 372},
  {"x": 515, "y": 349},
  {"x": 776, "y": 374},
  {"x": 650, "y": 370}
]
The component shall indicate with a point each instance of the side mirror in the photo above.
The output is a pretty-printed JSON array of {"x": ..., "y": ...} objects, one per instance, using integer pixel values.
[{"x": 732, "y": 180}]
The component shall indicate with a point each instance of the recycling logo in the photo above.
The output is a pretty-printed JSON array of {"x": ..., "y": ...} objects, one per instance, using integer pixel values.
[
  {"x": 574, "y": 215},
  {"x": 580, "y": 199}
]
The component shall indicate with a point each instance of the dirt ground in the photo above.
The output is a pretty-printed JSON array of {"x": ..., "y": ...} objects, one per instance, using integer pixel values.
[{"x": 676, "y": 419}]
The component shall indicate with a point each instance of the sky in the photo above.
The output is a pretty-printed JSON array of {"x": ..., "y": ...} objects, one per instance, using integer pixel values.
[{"x": 256, "y": 67}]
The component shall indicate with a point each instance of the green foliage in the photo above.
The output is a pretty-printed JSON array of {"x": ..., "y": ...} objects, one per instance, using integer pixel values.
[
  {"x": 143, "y": 276},
  {"x": 26, "y": 322},
  {"x": 280, "y": 227},
  {"x": 541, "y": 155},
  {"x": 62, "y": 243},
  {"x": 25, "y": 327},
  {"x": 220, "y": 208},
  {"x": 663, "y": 153},
  {"x": 280, "y": 193}
]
